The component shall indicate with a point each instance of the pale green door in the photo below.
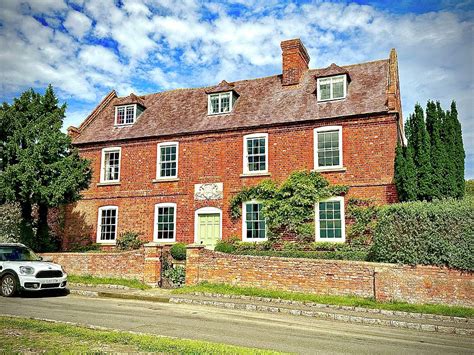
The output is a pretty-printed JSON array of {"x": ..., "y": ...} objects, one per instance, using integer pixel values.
[{"x": 209, "y": 229}]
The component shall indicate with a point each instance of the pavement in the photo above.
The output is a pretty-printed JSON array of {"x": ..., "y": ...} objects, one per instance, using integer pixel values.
[
  {"x": 347, "y": 314},
  {"x": 277, "y": 331}
]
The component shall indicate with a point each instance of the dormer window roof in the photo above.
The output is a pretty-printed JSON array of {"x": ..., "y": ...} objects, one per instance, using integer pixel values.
[
  {"x": 221, "y": 98},
  {"x": 128, "y": 109},
  {"x": 332, "y": 83}
]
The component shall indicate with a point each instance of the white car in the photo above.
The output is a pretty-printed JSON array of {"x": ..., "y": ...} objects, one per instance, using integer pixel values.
[{"x": 21, "y": 269}]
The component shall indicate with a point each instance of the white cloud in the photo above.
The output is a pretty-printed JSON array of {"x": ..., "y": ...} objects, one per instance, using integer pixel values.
[
  {"x": 77, "y": 23},
  {"x": 169, "y": 44}
]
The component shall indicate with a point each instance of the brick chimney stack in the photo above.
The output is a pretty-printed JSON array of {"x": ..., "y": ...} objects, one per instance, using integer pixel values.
[{"x": 295, "y": 61}]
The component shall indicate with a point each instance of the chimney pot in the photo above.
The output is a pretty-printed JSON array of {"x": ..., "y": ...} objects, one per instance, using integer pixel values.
[{"x": 295, "y": 60}]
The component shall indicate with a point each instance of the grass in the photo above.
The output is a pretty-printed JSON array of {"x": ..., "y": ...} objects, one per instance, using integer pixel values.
[
  {"x": 328, "y": 299},
  {"x": 92, "y": 280},
  {"x": 33, "y": 336}
]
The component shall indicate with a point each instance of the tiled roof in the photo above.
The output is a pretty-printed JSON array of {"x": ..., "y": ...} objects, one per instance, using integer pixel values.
[
  {"x": 331, "y": 70},
  {"x": 222, "y": 87},
  {"x": 263, "y": 101},
  {"x": 130, "y": 99}
]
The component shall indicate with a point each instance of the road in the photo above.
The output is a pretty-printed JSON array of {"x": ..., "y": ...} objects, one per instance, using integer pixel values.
[{"x": 271, "y": 331}]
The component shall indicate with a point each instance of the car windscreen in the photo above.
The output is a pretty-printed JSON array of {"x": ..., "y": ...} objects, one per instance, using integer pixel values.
[{"x": 13, "y": 253}]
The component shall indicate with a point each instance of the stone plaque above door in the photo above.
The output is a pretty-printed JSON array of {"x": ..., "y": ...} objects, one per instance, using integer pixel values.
[{"x": 212, "y": 191}]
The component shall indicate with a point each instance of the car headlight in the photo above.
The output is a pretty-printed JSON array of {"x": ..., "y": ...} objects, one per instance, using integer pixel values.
[{"x": 27, "y": 270}]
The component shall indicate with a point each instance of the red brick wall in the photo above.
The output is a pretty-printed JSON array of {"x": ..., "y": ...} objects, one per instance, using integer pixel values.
[
  {"x": 368, "y": 155},
  {"x": 127, "y": 265},
  {"x": 420, "y": 284}
]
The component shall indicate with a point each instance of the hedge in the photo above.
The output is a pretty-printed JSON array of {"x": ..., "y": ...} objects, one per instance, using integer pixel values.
[{"x": 438, "y": 233}]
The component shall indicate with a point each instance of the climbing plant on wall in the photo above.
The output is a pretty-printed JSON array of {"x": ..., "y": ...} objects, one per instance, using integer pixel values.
[{"x": 288, "y": 207}]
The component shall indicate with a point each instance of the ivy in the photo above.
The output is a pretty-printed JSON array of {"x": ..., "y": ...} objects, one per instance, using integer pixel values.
[{"x": 288, "y": 207}]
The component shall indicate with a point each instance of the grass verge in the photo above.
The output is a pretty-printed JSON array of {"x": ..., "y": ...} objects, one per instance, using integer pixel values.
[
  {"x": 32, "y": 336},
  {"x": 92, "y": 280},
  {"x": 328, "y": 299}
]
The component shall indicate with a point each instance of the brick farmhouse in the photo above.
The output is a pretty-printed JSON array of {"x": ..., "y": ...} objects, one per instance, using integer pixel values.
[{"x": 166, "y": 165}]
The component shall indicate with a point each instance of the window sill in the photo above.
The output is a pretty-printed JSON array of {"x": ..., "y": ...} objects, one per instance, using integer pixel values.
[
  {"x": 111, "y": 183},
  {"x": 254, "y": 174},
  {"x": 164, "y": 180},
  {"x": 329, "y": 170}
]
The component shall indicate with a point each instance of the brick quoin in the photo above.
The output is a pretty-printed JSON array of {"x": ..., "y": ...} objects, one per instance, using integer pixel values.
[{"x": 368, "y": 156}]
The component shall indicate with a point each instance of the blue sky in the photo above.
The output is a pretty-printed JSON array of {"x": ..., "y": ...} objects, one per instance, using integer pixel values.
[{"x": 87, "y": 48}]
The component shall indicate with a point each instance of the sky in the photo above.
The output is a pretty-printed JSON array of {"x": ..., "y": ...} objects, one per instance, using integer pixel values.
[{"x": 87, "y": 48}]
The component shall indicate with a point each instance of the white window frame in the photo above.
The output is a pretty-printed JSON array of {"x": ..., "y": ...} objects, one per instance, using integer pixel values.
[
  {"x": 102, "y": 164},
  {"x": 244, "y": 223},
  {"x": 206, "y": 210},
  {"x": 220, "y": 94},
  {"x": 246, "y": 170},
  {"x": 158, "y": 160},
  {"x": 125, "y": 114},
  {"x": 332, "y": 78},
  {"x": 315, "y": 148},
  {"x": 99, "y": 225},
  {"x": 155, "y": 226},
  {"x": 343, "y": 221}
]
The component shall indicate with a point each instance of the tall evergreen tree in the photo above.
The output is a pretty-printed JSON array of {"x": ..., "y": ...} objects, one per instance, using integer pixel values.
[
  {"x": 434, "y": 120},
  {"x": 405, "y": 174},
  {"x": 41, "y": 168},
  {"x": 419, "y": 142},
  {"x": 459, "y": 155}
]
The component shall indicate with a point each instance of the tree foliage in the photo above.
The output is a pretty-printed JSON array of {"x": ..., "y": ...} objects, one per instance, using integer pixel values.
[
  {"x": 431, "y": 166},
  {"x": 288, "y": 207},
  {"x": 40, "y": 166}
]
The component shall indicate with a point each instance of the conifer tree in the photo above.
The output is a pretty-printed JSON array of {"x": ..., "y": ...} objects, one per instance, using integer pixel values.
[
  {"x": 40, "y": 166},
  {"x": 458, "y": 153},
  {"x": 405, "y": 174},
  {"x": 419, "y": 142},
  {"x": 434, "y": 118}
]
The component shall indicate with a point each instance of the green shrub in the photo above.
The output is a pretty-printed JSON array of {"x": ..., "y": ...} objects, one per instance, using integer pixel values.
[
  {"x": 429, "y": 233},
  {"x": 178, "y": 251},
  {"x": 225, "y": 246},
  {"x": 129, "y": 241},
  {"x": 333, "y": 255},
  {"x": 78, "y": 248},
  {"x": 469, "y": 187},
  {"x": 363, "y": 214},
  {"x": 176, "y": 275}
]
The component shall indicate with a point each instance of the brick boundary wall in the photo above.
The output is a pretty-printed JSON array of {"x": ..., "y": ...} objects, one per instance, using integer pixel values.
[
  {"x": 384, "y": 282},
  {"x": 143, "y": 264}
]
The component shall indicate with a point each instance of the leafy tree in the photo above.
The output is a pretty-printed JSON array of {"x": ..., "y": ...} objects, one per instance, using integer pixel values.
[{"x": 40, "y": 166}]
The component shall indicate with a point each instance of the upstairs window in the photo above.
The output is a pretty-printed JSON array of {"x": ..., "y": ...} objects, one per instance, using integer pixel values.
[
  {"x": 256, "y": 153},
  {"x": 328, "y": 147},
  {"x": 167, "y": 160},
  {"x": 110, "y": 165},
  {"x": 220, "y": 103},
  {"x": 125, "y": 115},
  {"x": 332, "y": 88},
  {"x": 107, "y": 225}
]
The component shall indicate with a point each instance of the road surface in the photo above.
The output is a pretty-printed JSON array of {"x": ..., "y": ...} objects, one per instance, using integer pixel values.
[{"x": 270, "y": 331}]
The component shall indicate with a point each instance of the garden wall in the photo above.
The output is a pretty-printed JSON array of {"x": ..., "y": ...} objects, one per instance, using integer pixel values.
[
  {"x": 143, "y": 264},
  {"x": 384, "y": 282}
]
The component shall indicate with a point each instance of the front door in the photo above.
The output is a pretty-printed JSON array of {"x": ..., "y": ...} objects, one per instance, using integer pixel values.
[{"x": 208, "y": 229}]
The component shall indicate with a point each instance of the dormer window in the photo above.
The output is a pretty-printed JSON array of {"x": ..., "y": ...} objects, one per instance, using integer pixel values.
[
  {"x": 125, "y": 115},
  {"x": 332, "y": 88},
  {"x": 221, "y": 102}
]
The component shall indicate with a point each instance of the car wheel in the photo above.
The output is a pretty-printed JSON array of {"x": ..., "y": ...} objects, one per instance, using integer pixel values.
[{"x": 8, "y": 286}]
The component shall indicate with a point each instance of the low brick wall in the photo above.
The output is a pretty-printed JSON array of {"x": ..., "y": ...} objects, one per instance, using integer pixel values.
[
  {"x": 420, "y": 284},
  {"x": 143, "y": 264}
]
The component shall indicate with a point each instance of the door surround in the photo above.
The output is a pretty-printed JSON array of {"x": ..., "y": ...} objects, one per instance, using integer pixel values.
[{"x": 206, "y": 210}]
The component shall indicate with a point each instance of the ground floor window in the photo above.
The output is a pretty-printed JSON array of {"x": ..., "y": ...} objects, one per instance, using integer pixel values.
[
  {"x": 254, "y": 226},
  {"x": 330, "y": 221},
  {"x": 107, "y": 224},
  {"x": 165, "y": 222}
]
